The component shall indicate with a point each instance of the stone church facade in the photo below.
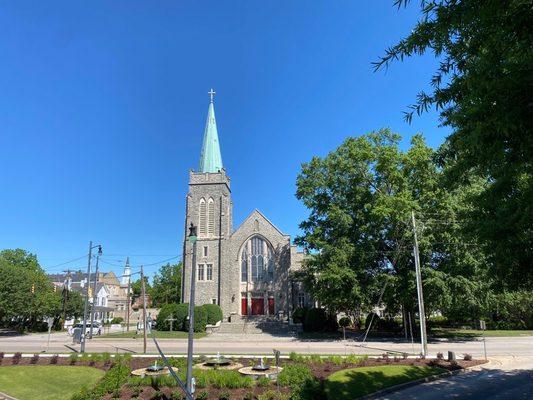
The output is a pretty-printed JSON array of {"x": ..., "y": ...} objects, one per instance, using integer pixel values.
[{"x": 248, "y": 270}]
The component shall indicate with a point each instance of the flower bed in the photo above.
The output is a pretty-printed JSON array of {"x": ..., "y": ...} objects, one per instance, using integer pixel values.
[{"x": 302, "y": 377}]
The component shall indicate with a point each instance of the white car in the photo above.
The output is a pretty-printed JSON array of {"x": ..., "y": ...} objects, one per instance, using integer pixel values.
[{"x": 96, "y": 328}]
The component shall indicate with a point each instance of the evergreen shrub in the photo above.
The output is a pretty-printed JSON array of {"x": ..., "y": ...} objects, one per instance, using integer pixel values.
[{"x": 214, "y": 313}]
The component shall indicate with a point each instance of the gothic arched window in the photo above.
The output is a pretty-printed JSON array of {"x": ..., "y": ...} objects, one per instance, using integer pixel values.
[
  {"x": 211, "y": 217},
  {"x": 244, "y": 264},
  {"x": 202, "y": 216},
  {"x": 257, "y": 254}
]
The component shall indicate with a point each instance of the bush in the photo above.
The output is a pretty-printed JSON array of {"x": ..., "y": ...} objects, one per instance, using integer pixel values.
[
  {"x": 298, "y": 315},
  {"x": 117, "y": 320},
  {"x": 344, "y": 322},
  {"x": 263, "y": 381},
  {"x": 200, "y": 320},
  {"x": 179, "y": 313},
  {"x": 16, "y": 358},
  {"x": 222, "y": 379},
  {"x": 388, "y": 325},
  {"x": 295, "y": 375},
  {"x": 214, "y": 313},
  {"x": 315, "y": 320},
  {"x": 375, "y": 320}
]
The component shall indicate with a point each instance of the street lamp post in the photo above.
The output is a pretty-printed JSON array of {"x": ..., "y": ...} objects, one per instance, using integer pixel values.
[
  {"x": 192, "y": 239},
  {"x": 84, "y": 327}
]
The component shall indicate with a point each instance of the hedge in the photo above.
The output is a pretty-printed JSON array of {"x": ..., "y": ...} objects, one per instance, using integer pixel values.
[
  {"x": 179, "y": 313},
  {"x": 111, "y": 382},
  {"x": 315, "y": 320},
  {"x": 298, "y": 315},
  {"x": 214, "y": 313},
  {"x": 200, "y": 319}
]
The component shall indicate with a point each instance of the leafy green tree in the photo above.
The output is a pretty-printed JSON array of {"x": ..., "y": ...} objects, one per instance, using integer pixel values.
[
  {"x": 167, "y": 285},
  {"x": 359, "y": 229},
  {"x": 482, "y": 89},
  {"x": 27, "y": 296}
]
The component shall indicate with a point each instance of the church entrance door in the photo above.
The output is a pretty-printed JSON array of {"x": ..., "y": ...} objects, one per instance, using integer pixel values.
[
  {"x": 244, "y": 306},
  {"x": 271, "y": 306},
  {"x": 258, "y": 306}
]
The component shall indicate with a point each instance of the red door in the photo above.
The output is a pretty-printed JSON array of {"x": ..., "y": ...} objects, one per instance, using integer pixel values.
[
  {"x": 271, "y": 306},
  {"x": 258, "y": 306},
  {"x": 244, "y": 306}
]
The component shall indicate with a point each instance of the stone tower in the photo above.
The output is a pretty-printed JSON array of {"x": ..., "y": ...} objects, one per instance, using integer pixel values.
[{"x": 209, "y": 207}]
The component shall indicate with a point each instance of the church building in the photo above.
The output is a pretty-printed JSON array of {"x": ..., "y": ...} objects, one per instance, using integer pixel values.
[{"x": 247, "y": 270}]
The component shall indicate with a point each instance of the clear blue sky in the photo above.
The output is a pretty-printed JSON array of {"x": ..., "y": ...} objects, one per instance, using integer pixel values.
[{"x": 103, "y": 106}]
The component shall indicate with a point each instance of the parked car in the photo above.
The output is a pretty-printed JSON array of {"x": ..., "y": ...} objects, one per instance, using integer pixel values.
[{"x": 96, "y": 328}]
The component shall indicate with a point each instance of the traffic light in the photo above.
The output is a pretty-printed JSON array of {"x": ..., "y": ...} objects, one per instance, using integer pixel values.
[
  {"x": 33, "y": 287},
  {"x": 90, "y": 292},
  {"x": 55, "y": 288}
]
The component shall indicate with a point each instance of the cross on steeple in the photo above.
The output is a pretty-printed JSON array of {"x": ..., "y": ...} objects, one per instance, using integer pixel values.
[{"x": 212, "y": 93}]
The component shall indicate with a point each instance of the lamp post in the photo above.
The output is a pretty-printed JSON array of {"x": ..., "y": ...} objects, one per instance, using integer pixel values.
[
  {"x": 192, "y": 239},
  {"x": 91, "y": 247}
]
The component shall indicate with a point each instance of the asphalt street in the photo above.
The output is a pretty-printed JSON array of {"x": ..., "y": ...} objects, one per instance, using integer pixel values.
[
  {"x": 504, "y": 378},
  {"x": 263, "y": 344}
]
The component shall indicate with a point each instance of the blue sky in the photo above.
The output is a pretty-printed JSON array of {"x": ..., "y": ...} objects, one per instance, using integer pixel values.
[{"x": 103, "y": 106}]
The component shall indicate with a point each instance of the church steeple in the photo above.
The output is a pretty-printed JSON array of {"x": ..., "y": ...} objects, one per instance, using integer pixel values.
[{"x": 210, "y": 158}]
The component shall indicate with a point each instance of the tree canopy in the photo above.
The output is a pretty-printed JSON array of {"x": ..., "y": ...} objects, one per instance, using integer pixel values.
[
  {"x": 359, "y": 231},
  {"x": 482, "y": 89},
  {"x": 166, "y": 286},
  {"x": 27, "y": 297}
]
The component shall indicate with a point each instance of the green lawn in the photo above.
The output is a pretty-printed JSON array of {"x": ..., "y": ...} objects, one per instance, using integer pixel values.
[
  {"x": 158, "y": 334},
  {"x": 451, "y": 333},
  {"x": 46, "y": 382},
  {"x": 351, "y": 383}
]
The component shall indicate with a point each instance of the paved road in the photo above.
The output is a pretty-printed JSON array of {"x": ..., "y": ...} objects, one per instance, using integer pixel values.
[
  {"x": 504, "y": 378},
  {"x": 263, "y": 344}
]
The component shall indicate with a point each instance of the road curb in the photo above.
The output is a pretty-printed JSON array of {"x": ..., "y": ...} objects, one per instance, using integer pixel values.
[{"x": 409, "y": 384}]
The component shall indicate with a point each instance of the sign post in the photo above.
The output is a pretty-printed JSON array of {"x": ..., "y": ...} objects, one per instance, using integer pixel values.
[
  {"x": 277, "y": 353},
  {"x": 50, "y": 322},
  {"x": 483, "y": 327}
]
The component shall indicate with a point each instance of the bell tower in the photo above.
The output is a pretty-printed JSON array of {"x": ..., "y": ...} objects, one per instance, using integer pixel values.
[{"x": 209, "y": 208}]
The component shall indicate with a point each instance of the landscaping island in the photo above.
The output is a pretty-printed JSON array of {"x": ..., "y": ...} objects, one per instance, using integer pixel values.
[{"x": 302, "y": 377}]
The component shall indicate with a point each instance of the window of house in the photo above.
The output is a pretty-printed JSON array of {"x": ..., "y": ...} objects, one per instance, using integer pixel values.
[
  {"x": 301, "y": 299},
  {"x": 201, "y": 272},
  {"x": 209, "y": 272},
  {"x": 205, "y": 251},
  {"x": 213, "y": 301}
]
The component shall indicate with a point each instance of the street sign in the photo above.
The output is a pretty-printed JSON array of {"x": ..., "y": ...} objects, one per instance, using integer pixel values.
[{"x": 482, "y": 325}]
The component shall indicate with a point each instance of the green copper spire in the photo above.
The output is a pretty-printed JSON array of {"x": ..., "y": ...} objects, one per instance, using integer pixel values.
[{"x": 211, "y": 159}]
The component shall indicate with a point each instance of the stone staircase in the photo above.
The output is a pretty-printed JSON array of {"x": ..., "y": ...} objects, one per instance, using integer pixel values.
[{"x": 256, "y": 324}]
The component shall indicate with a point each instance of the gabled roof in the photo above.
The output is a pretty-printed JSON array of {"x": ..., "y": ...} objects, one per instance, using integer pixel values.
[{"x": 255, "y": 214}]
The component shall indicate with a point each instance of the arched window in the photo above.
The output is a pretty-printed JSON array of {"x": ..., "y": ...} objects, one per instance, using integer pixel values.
[
  {"x": 259, "y": 256},
  {"x": 244, "y": 264},
  {"x": 211, "y": 217},
  {"x": 202, "y": 218}
]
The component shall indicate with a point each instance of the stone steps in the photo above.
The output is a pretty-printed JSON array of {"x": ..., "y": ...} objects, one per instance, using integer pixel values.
[{"x": 255, "y": 325}]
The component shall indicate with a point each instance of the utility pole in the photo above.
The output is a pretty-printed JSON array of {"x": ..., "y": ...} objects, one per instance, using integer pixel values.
[
  {"x": 421, "y": 312},
  {"x": 128, "y": 298},
  {"x": 94, "y": 296},
  {"x": 84, "y": 326},
  {"x": 66, "y": 287},
  {"x": 143, "y": 294},
  {"x": 192, "y": 239}
]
